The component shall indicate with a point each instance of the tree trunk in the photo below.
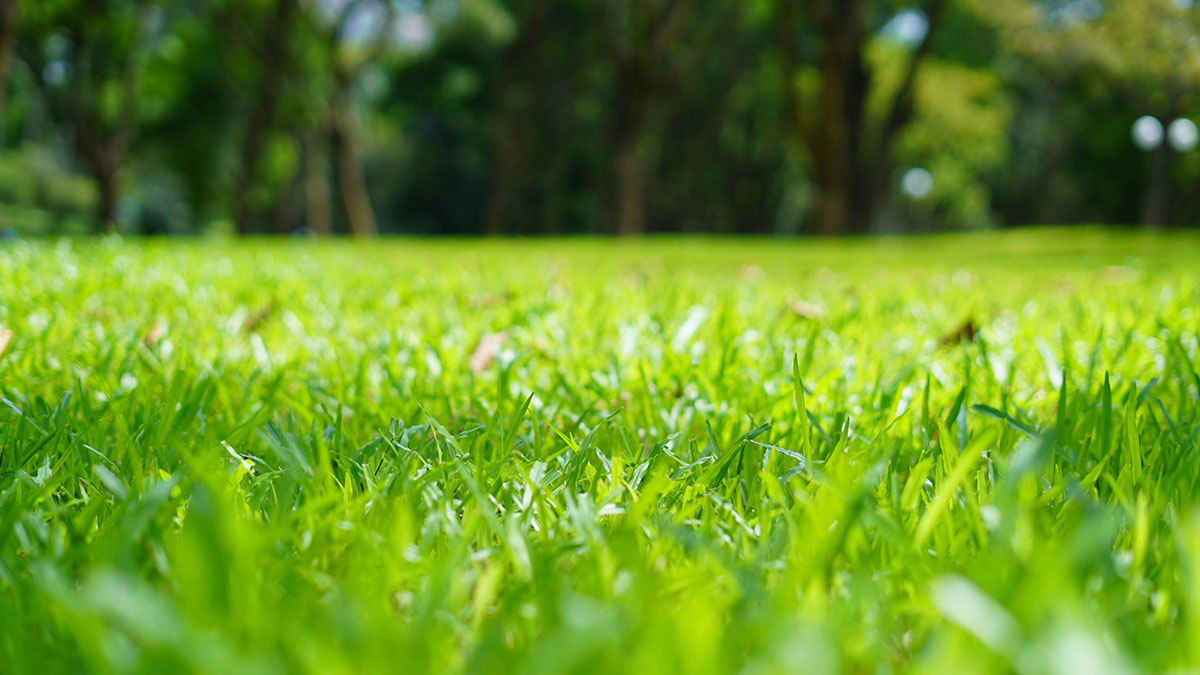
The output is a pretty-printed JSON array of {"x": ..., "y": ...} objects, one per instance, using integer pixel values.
[
  {"x": 317, "y": 211},
  {"x": 514, "y": 126},
  {"x": 1156, "y": 196},
  {"x": 9, "y": 17},
  {"x": 252, "y": 144},
  {"x": 642, "y": 37},
  {"x": 262, "y": 115},
  {"x": 505, "y": 167},
  {"x": 357, "y": 203},
  {"x": 833, "y": 204},
  {"x": 8, "y": 41},
  {"x": 107, "y": 189},
  {"x": 851, "y": 157},
  {"x": 837, "y": 148},
  {"x": 287, "y": 208},
  {"x": 629, "y": 183},
  {"x": 785, "y": 24},
  {"x": 628, "y": 166},
  {"x": 103, "y": 163},
  {"x": 555, "y": 175}
]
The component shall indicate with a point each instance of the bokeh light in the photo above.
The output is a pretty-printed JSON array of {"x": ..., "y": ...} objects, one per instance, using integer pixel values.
[
  {"x": 1147, "y": 132},
  {"x": 917, "y": 183},
  {"x": 1183, "y": 134},
  {"x": 908, "y": 27}
]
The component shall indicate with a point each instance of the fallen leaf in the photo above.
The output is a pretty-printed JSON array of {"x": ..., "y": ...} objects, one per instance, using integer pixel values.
[
  {"x": 256, "y": 319},
  {"x": 1115, "y": 273},
  {"x": 967, "y": 331},
  {"x": 5, "y": 337},
  {"x": 155, "y": 334},
  {"x": 751, "y": 272},
  {"x": 486, "y": 351},
  {"x": 491, "y": 298},
  {"x": 803, "y": 309}
]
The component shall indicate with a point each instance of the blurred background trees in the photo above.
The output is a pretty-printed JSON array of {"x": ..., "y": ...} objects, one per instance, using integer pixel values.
[
  {"x": 1143, "y": 55},
  {"x": 536, "y": 117}
]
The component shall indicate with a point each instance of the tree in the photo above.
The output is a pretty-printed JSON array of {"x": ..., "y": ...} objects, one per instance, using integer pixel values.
[
  {"x": 1148, "y": 51},
  {"x": 705, "y": 147},
  {"x": 848, "y": 147},
  {"x": 355, "y": 36},
  {"x": 350, "y": 37},
  {"x": 9, "y": 20},
  {"x": 265, "y": 33},
  {"x": 519, "y": 88},
  {"x": 89, "y": 56},
  {"x": 9, "y": 15},
  {"x": 638, "y": 33}
]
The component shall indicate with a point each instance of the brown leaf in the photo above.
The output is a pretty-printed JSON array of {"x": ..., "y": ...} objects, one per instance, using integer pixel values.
[
  {"x": 967, "y": 331},
  {"x": 1116, "y": 273},
  {"x": 751, "y": 272},
  {"x": 5, "y": 337},
  {"x": 486, "y": 351},
  {"x": 256, "y": 319},
  {"x": 491, "y": 298},
  {"x": 803, "y": 309},
  {"x": 155, "y": 334}
]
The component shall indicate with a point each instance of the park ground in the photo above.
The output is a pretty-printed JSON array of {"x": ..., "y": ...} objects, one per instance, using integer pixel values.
[{"x": 971, "y": 453}]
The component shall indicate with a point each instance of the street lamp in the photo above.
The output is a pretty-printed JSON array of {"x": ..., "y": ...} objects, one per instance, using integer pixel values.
[{"x": 1149, "y": 135}]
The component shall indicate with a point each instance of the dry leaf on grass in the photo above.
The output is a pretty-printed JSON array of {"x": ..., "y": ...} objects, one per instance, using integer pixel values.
[
  {"x": 967, "y": 331},
  {"x": 803, "y": 309},
  {"x": 491, "y": 298},
  {"x": 1116, "y": 274},
  {"x": 155, "y": 335},
  {"x": 486, "y": 351},
  {"x": 751, "y": 272},
  {"x": 256, "y": 319}
]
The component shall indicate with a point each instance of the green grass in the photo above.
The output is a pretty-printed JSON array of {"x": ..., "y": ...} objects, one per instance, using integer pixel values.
[{"x": 687, "y": 455}]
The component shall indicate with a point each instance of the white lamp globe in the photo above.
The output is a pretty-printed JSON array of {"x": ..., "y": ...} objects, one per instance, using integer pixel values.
[
  {"x": 1183, "y": 134},
  {"x": 917, "y": 183},
  {"x": 1147, "y": 132}
]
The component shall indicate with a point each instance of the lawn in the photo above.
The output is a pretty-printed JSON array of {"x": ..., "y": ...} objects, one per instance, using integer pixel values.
[{"x": 942, "y": 454}]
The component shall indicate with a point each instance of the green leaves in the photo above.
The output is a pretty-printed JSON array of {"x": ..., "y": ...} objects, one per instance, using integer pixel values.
[
  {"x": 801, "y": 409},
  {"x": 962, "y": 466}
]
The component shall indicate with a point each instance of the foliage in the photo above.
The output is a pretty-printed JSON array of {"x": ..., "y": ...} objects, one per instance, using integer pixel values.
[
  {"x": 1145, "y": 53},
  {"x": 967, "y": 454},
  {"x": 1148, "y": 49},
  {"x": 39, "y": 196},
  {"x": 533, "y": 117},
  {"x": 959, "y": 131}
]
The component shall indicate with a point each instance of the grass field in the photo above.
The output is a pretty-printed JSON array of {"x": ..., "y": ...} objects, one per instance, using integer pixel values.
[{"x": 961, "y": 454}]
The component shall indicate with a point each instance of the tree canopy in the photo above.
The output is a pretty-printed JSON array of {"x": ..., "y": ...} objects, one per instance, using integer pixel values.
[{"x": 534, "y": 117}]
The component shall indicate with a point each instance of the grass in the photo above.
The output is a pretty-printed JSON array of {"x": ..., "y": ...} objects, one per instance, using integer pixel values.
[{"x": 947, "y": 454}]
